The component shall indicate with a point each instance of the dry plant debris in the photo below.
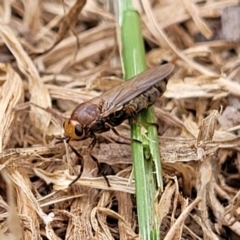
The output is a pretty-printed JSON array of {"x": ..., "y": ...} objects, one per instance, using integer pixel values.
[{"x": 57, "y": 54}]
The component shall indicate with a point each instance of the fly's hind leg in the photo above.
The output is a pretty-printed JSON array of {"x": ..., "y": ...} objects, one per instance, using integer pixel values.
[{"x": 90, "y": 148}]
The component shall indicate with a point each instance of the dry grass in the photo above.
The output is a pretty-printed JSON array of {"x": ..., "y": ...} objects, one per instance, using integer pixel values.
[{"x": 56, "y": 56}]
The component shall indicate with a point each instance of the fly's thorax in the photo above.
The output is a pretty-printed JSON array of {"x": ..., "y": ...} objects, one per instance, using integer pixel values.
[{"x": 86, "y": 113}]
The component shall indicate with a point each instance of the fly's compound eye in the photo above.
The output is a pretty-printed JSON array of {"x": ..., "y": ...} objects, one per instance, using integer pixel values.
[{"x": 78, "y": 130}]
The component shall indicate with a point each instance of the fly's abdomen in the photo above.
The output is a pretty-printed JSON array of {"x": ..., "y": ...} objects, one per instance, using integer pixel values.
[
  {"x": 146, "y": 99},
  {"x": 137, "y": 104}
]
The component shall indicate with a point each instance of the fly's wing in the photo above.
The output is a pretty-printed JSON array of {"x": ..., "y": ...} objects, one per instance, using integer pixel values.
[{"x": 114, "y": 98}]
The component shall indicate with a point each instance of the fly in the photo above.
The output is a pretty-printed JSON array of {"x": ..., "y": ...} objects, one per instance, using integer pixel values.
[{"x": 110, "y": 109}]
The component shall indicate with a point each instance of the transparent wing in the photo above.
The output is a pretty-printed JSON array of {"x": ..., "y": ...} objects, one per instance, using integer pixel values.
[{"x": 114, "y": 98}]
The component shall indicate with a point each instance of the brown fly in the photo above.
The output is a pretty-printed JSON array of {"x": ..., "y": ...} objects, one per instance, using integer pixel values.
[{"x": 109, "y": 110}]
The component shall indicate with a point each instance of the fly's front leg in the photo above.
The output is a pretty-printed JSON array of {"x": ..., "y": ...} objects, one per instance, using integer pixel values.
[
  {"x": 90, "y": 148},
  {"x": 81, "y": 163}
]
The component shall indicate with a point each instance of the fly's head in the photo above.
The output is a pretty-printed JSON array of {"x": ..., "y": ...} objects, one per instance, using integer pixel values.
[{"x": 73, "y": 130}]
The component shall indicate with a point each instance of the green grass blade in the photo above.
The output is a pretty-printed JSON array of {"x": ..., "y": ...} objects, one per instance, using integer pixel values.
[{"x": 134, "y": 62}]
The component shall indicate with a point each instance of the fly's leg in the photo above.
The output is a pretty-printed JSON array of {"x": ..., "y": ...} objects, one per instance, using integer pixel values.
[
  {"x": 81, "y": 163},
  {"x": 90, "y": 148},
  {"x": 117, "y": 133}
]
